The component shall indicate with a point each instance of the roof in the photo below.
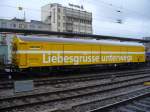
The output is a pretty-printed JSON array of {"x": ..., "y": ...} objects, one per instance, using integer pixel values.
[
  {"x": 69, "y": 40},
  {"x": 72, "y": 35}
]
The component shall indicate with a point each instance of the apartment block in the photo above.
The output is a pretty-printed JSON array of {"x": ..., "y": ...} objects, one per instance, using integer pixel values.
[{"x": 65, "y": 19}]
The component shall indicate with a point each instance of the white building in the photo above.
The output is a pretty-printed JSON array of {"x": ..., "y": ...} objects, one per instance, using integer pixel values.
[
  {"x": 64, "y": 19},
  {"x": 22, "y": 24},
  {"x": 5, "y": 40}
]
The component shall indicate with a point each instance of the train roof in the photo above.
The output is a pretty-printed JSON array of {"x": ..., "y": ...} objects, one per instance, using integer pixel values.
[{"x": 71, "y": 40}]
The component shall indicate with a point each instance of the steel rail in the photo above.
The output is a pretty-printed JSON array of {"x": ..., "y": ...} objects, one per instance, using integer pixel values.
[
  {"x": 65, "y": 98},
  {"x": 52, "y": 81}
]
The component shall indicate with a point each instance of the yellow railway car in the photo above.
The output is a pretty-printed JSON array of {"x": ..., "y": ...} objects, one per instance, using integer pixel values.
[{"x": 31, "y": 52}]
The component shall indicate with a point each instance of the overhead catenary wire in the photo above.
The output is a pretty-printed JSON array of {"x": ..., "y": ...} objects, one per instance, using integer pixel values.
[
  {"x": 109, "y": 19},
  {"x": 106, "y": 18},
  {"x": 106, "y": 4},
  {"x": 120, "y": 7},
  {"x": 104, "y": 27},
  {"x": 101, "y": 1}
]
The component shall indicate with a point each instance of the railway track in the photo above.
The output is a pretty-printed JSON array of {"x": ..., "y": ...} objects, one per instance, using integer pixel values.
[
  {"x": 51, "y": 81},
  {"x": 139, "y": 103},
  {"x": 98, "y": 105},
  {"x": 79, "y": 98},
  {"x": 4, "y": 75}
]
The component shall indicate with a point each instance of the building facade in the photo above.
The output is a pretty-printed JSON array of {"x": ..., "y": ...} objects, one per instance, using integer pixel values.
[
  {"x": 22, "y": 24},
  {"x": 64, "y": 19},
  {"x": 4, "y": 50},
  {"x": 5, "y": 40}
]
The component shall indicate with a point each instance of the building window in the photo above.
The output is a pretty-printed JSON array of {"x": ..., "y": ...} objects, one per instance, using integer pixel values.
[
  {"x": 53, "y": 15},
  {"x": 64, "y": 24},
  {"x": 80, "y": 21},
  {"x": 20, "y": 25},
  {"x": 14, "y": 25},
  {"x": 3, "y": 24},
  {"x": 32, "y": 26},
  {"x": 58, "y": 23},
  {"x": 64, "y": 17},
  {"x": 59, "y": 17},
  {"x": 58, "y": 10},
  {"x": 40, "y": 27},
  {"x": 90, "y": 22}
]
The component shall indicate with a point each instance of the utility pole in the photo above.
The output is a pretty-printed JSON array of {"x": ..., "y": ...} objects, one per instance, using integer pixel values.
[{"x": 21, "y": 9}]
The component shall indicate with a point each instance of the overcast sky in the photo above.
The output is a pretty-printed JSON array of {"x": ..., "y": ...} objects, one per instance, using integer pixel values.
[{"x": 135, "y": 14}]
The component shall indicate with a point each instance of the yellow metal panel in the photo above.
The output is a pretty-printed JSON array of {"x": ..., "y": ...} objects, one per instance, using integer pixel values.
[
  {"x": 22, "y": 57},
  {"x": 34, "y": 59},
  {"x": 123, "y": 52},
  {"x": 132, "y": 49},
  {"x": 96, "y": 56},
  {"x": 78, "y": 54},
  {"x": 58, "y": 54},
  {"x": 71, "y": 55},
  {"x": 110, "y": 54}
]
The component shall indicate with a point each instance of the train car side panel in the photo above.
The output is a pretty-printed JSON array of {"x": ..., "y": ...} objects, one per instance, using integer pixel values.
[
  {"x": 77, "y": 54},
  {"x": 110, "y": 54},
  {"x": 124, "y": 54},
  {"x": 136, "y": 53},
  {"x": 96, "y": 54},
  {"x": 59, "y": 53}
]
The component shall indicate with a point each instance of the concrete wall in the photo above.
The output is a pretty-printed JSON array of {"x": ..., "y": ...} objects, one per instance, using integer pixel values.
[{"x": 3, "y": 54}]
